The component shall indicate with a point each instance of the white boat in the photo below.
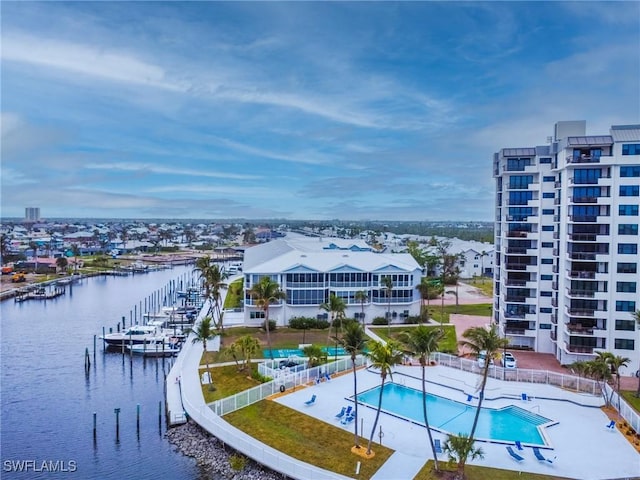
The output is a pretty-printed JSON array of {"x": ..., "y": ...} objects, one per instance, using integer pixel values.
[
  {"x": 164, "y": 348},
  {"x": 136, "y": 334}
]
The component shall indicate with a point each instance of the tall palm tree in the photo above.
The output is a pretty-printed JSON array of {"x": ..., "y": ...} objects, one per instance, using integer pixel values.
[
  {"x": 264, "y": 293},
  {"x": 383, "y": 357},
  {"x": 482, "y": 255},
  {"x": 442, "y": 247},
  {"x": 362, "y": 297},
  {"x": 489, "y": 340},
  {"x": 336, "y": 307},
  {"x": 423, "y": 289},
  {"x": 460, "y": 448},
  {"x": 616, "y": 362},
  {"x": 636, "y": 317},
  {"x": 204, "y": 332},
  {"x": 422, "y": 341},
  {"x": 387, "y": 283},
  {"x": 75, "y": 249},
  {"x": 353, "y": 341},
  {"x": 248, "y": 346},
  {"x": 213, "y": 280}
]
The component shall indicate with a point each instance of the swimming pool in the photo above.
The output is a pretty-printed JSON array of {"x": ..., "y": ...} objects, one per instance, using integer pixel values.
[
  {"x": 297, "y": 352},
  {"x": 506, "y": 424}
]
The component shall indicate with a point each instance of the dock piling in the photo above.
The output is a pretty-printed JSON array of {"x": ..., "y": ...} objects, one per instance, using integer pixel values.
[{"x": 117, "y": 412}]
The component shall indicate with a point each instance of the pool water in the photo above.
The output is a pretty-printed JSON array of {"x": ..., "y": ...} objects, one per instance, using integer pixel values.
[
  {"x": 297, "y": 352},
  {"x": 506, "y": 424}
]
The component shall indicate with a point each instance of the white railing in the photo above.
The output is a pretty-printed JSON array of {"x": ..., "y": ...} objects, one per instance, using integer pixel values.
[
  {"x": 569, "y": 382},
  {"x": 282, "y": 379},
  {"x": 624, "y": 409}
]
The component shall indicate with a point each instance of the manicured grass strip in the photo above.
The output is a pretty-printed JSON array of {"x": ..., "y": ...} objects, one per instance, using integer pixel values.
[
  {"x": 630, "y": 397},
  {"x": 436, "y": 311},
  {"x": 234, "y": 294},
  {"x": 474, "y": 472},
  {"x": 447, "y": 344},
  {"x": 228, "y": 381},
  {"x": 307, "y": 439},
  {"x": 485, "y": 285}
]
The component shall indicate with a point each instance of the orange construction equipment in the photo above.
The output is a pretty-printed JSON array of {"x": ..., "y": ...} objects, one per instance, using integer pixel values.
[{"x": 18, "y": 277}]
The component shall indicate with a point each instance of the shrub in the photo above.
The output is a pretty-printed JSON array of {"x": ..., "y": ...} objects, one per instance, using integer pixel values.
[
  {"x": 237, "y": 462},
  {"x": 412, "y": 319},
  {"x": 272, "y": 326},
  {"x": 322, "y": 324},
  {"x": 256, "y": 375},
  {"x": 379, "y": 321},
  {"x": 302, "y": 323}
]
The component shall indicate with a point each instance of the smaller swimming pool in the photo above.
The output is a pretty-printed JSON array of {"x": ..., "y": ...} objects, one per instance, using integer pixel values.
[
  {"x": 297, "y": 352},
  {"x": 508, "y": 424}
]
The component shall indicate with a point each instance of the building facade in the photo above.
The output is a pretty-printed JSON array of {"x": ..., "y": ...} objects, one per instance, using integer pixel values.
[
  {"x": 566, "y": 263},
  {"x": 309, "y": 270},
  {"x": 32, "y": 214}
]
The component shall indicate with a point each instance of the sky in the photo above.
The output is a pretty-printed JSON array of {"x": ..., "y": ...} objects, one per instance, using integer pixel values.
[{"x": 296, "y": 110}]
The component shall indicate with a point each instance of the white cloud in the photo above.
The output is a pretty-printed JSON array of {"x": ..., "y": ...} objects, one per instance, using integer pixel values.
[{"x": 159, "y": 169}]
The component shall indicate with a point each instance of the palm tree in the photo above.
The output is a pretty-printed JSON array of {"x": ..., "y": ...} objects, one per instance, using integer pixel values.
[
  {"x": 600, "y": 371},
  {"x": 636, "y": 317},
  {"x": 442, "y": 247},
  {"x": 248, "y": 347},
  {"x": 387, "y": 283},
  {"x": 422, "y": 341},
  {"x": 482, "y": 255},
  {"x": 460, "y": 448},
  {"x": 204, "y": 332},
  {"x": 383, "y": 357},
  {"x": 488, "y": 340},
  {"x": 615, "y": 362},
  {"x": 314, "y": 354},
  {"x": 264, "y": 293},
  {"x": 62, "y": 262},
  {"x": 353, "y": 341},
  {"x": 362, "y": 297},
  {"x": 75, "y": 249},
  {"x": 335, "y": 306},
  {"x": 213, "y": 281}
]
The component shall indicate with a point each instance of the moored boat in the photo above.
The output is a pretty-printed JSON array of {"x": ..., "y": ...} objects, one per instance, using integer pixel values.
[{"x": 136, "y": 334}]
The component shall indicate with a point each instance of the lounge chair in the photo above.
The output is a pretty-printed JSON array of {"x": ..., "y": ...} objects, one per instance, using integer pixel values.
[
  {"x": 327, "y": 376},
  {"x": 341, "y": 414},
  {"x": 469, "y": 398},
  {"x": 437, "y": 445},
  {"x": 519, "y": 445},
  {"x": 348, "y": 419},
  {"x": 311, "y": 401},
  {"x": 514, "y": 455},
  {"x": 611, "y": 425},
  {"x": 524, "y": 397},
  {"x": 540, "y": 457}
]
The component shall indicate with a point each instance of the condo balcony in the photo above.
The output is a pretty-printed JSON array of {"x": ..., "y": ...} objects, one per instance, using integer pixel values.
[
  {"x": 584, "y": 218},
  {"x": 581, "y": 312},
  {"x": 579, "y": 350},
  {"x": 584, "y": 158}
]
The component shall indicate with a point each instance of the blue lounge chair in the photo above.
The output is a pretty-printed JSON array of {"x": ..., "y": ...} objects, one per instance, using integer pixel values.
[
  {"x": 514, "y": 455},
  {"x": 524, "y": 397},
  {"x": 469, "y": 398},
  {"x": 310, "y": 402},
  {"x": 539, "y": 456},
  {"x": 327, "y": 376},
  {"x": 341, "y": 414},
  {"x": 519, "y": 445},
  {"x": 612, "y": 425},
  {"x": 347, "y": 419},
  {"x": 437, "y": 446}
]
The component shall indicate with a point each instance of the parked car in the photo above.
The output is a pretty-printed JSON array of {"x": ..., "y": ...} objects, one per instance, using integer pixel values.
[
  {"x": 482, "y": 357},
  {"x": 509, "y": 361}
]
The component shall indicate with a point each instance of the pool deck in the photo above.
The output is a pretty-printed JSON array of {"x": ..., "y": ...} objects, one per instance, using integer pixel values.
[{"x": 580, "y": 444}]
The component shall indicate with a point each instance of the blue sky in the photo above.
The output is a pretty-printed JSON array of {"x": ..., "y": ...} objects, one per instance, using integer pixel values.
[{"x": 387, "y": 111}]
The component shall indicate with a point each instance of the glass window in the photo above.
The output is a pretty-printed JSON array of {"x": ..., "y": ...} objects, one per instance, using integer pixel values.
[
  {"x": 545, "y": 160},
  {"x": 546, "y": 294},
  {"x": 545, "y": 326},
  {"x": 628, "y": 210},
  {"x": 623, "y": 343},
  {"x": 627, "y": 267},
  {"x": 626, "y": 287},
  {"x": 586, "y": 175},
  {"x": 547, "y": 261},
  {"x": 547, "y": 211},
  {"x": 631, "y": 148},
  {"x": 629, "y": 190},
  {"x": 546, "y": 277},
  {"x": 548, "y": 195},
  {"x": 627, "y": 325},
  {"x": 520, "y": 181},
  {"x": 627, "y": 248},
  {"x": 547, "y": 228},
  {"x": 628, "y": 229},
  {"x": 625, "y": 306},
  {"x": 520, "y": 198},
  {"x": 517, "y": 164},
  {"x": 545, "y": 310},
  {"x": 549, "y": 179}
]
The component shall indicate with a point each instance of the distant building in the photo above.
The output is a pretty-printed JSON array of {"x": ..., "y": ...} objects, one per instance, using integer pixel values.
[
  {"x": 566, "y": 265},
  {"x": 32, "y": 214},
  {"x": 309, "y": 270}
]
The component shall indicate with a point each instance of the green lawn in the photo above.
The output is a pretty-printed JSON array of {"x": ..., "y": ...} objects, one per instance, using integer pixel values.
[
  {"x": 485, "y": 285},
  {"x": 447, "y": 344},
  {"x": 435, "y": 310},
  {"x": 228, "y": 381},
  {"x": 473, "y": 472},
  {"x": 234, "y": 294},
  {"x": 306, "y": 438},
  {"x": 630, "y": 397}
]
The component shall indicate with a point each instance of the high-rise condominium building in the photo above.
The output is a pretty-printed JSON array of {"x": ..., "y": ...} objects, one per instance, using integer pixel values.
[
  {"x": 32, "y": 214},
  {"x": 566, "y": 266}
]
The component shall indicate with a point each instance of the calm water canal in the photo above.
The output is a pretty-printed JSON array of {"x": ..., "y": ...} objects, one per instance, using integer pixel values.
[{"x": 48, "y": 401}]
